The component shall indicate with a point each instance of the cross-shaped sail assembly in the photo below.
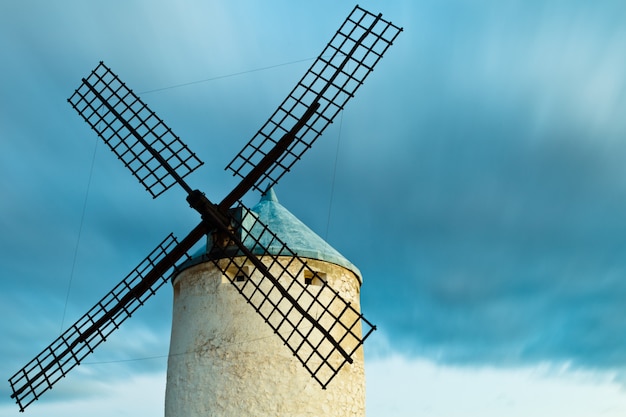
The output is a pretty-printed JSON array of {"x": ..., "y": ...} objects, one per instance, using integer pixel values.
[{"x": 320, "y": 328}]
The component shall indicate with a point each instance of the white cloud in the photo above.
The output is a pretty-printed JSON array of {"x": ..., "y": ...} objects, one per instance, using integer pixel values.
[
  {"x": 139, "y": 396},
  {"x": 398, "y": 386}
]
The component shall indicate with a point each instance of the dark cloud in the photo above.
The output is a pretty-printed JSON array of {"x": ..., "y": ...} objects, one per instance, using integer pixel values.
[{"x": 489, "y": 194}]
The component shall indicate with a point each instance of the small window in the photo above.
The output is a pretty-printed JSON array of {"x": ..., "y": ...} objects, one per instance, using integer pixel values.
[
  {"x": 314, "y": 278},
  {"x": 236, "y": 275}
]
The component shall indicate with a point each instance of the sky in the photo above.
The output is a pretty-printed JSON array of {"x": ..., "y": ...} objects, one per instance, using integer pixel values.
[{"x": 476, "y": 180}]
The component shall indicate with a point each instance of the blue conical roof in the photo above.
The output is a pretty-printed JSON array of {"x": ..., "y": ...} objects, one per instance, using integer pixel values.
[{"x": 291, "y": 231}]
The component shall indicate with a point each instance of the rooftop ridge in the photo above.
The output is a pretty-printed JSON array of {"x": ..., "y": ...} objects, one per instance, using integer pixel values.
[{"x": 298, "y": 237}]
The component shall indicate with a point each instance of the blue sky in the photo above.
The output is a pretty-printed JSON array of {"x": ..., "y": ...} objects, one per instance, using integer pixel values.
[{"x": 479, "y": 186}]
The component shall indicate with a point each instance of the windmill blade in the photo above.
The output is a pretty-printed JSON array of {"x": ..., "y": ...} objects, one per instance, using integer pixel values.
[
  {"x": 318, "y": 97},
  {"x": 144, "y": 143},
  {"x": 316, "y": 323},
  {"x": 93, "y": 328}
]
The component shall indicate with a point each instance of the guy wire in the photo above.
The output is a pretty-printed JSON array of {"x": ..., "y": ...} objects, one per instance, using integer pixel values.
[{"x": 80, "y": 229}]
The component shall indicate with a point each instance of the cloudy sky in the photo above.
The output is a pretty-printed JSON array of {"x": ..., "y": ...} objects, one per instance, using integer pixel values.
[{"x": 477, "y": 180}]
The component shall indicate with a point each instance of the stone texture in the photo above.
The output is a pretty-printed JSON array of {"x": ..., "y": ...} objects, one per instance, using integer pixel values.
[{"x": 226, "y": 361}]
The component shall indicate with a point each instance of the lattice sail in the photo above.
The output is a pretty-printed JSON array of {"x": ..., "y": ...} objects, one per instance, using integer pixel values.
[
  {"x": 144, "y": 143},
  {"x": 315, "y": 322},
  {"x": 331, "y": 81},
  {"x": 69, "y": 349}
]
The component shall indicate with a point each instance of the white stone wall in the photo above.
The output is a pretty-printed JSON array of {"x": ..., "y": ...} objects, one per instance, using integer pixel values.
[{"x": 226, "y": 361}]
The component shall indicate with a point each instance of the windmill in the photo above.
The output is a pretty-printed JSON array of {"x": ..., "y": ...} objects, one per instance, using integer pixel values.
[{"x": 322, "y": 342}]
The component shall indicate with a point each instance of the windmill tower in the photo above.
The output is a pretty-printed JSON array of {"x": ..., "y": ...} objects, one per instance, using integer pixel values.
[
  {"x": 305, "y": 307},
  {"x": 224, "y": 360}
]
